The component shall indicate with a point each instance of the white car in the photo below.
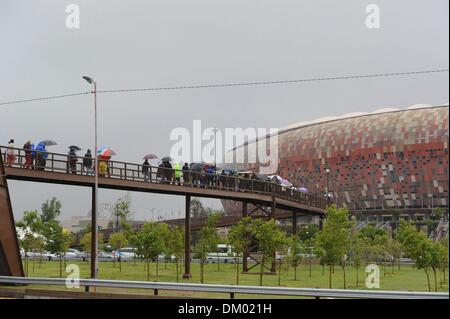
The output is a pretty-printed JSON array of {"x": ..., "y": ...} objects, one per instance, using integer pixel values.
[
  {"x": 72, "y": 254},
  {"x": 125, "y": 254},
  {"x": 223, "y": 255}
]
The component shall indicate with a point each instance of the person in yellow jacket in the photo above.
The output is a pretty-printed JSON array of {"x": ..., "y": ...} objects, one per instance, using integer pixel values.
[{"x": 178, "y": 173}]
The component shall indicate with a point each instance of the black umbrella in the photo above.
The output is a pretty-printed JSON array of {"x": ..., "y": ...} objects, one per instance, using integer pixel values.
[
  {"x": 75, "y": 148},
  {"x": 166, "y": 159},
  {"x": 48, "y": 142},
  {"x": 197, "y": 167}
]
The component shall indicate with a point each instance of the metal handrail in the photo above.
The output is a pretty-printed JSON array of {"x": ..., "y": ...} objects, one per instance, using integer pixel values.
[
  {"x": 131, "y": 171},
  {"x": 232, "y": 289}
]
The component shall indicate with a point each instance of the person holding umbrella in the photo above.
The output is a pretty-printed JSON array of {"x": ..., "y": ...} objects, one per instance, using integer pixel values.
[
  {"x": 41, "y": 156},
  {"x": 28, "y": 155},
  {"x": 186, "y": 177},
  {"x": 87, "y": 162},
  {"x": 10, "y": 156},
  {"x": 178, "y": 173},
  {"x": 72, "y": 160},
  {"x": 145, "y": 170}
]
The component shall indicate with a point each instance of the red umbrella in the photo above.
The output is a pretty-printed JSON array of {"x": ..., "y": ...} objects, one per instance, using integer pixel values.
[{"x": 107, "y": 152}]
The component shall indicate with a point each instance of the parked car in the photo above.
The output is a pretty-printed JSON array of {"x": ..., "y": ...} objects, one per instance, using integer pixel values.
[
  {"x": 223, "y": 255},
  {"x": 74, "y": 254},
  {"x": 125, "y": 254},
  {"x": 106, "y": 256}
]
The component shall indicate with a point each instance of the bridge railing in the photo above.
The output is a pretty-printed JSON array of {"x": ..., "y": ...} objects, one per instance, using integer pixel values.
[
  {"x": 62, "y": 163},
  {"x": 231, "y": 290}
]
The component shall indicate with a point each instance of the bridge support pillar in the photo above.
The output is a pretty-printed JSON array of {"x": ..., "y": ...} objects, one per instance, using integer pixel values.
[
  {"x": 321, "y": 222},
  {"x": 10, "y": 261},
  {"x": 187, "y": 240},
  {"x": 273, "y": 216},
  {"x": 294, "y": 223}
]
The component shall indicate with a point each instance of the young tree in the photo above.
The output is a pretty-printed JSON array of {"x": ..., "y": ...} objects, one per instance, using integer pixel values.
[
  {"x": 117, "y": 241},
  {"x": 149, "y": 244},
  {"x": 422, "y": 250},
  {"x": 296, "y": 247},
  {"x": 31, "y": 239},
  {"x": 270, "y": 239},
  {"x": 443, "y": 255},
  {"x": 394, "y": 248},
  {"x": 121, "y": 212},
  {"x": 51, "y": 209},
  {"x": 239, "y": 240},
  {"x": 58, "y": 241},
  {"x": 335, "y": 237},
  {"x": 208, "y": 240},
  {"x": 163, "y": 233},
  {"x": 175, "y": 246}
]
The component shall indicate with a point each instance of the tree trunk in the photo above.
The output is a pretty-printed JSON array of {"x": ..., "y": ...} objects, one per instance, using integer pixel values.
[
  {"x": 345, "y": 282},
  {"x": 357, "y": 275},
  {"x": 237, "y": 270},
  {"x": 323, "y": 269},
  {"x": 33, "y": 264},
  {"x": 218, "y": 262},
  {"x": 157, "y": 266},
  {"x": 261, "y": 272},
  {"x": 148, "y": 270},
  {"x": 60, "y": 266},
  {"x": 120, "y": 265},
  {"x": 279, "y": 273},
  {"x": 329, "y": 279},
  {"x": 428, "y": 280},
  {"x": 310, "y": 266},
  {"x": 435, "y": 280},
  {"x": 201, "y": 269},
  {"x": 26, "y": 262},
  {"x": 177, "y": 270},
  {"x": 295, "y": 270}
]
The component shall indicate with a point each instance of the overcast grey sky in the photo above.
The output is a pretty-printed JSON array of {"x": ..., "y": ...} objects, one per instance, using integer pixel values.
[{"x": 126, "y": 44}]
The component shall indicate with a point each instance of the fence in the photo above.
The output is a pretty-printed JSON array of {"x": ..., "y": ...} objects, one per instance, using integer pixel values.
[{"x": 231, "y": 290}]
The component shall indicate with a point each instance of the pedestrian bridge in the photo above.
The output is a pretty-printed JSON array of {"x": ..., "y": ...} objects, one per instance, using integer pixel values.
[{"x": 266, "y": 196}]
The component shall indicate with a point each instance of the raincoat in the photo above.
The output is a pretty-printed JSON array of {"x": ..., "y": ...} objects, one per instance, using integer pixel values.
[{"x": 178, "y": 171}]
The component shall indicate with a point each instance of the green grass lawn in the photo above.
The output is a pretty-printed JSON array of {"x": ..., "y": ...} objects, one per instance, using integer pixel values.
[{"x": 407, "y": 278}]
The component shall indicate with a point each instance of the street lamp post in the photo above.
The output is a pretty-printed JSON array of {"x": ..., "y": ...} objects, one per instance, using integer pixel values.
[
  {"x": 327, "y": 172},
  {"x": 215, "y": 130},
  {"x": 94, "y": 231}
]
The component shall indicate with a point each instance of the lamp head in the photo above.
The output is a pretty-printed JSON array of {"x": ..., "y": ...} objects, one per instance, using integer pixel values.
[{"x": 88, "y": 79}]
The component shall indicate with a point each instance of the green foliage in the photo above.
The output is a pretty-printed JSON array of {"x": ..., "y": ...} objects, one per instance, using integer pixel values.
[
  {"x": 208, "y": 240},
  {"x": 335, "y": 239},
  {"x": 270, "y": 239},
  {"x": 122, "y": 211},
  {"x": 118, "y": 240},
  {"x": 307, "y": 232},
  {"x": 51, "y": 209},
  {"x": 239, "y": 235},
  {"x": 239, "y": 239},
  {"x": 86, "y": 241}
]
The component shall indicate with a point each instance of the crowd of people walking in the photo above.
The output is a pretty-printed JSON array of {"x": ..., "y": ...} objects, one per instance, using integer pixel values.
[{"x": 170, "y": 172}]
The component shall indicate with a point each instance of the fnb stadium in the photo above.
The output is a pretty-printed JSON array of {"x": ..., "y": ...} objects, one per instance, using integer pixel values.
[{"x": 372, "y": 163}]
